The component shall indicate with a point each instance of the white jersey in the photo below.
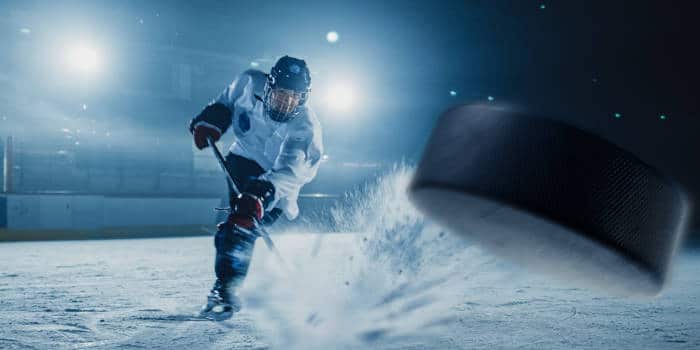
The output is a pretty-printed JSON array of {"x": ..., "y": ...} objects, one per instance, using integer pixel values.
[{"x": 290, "y": 152}]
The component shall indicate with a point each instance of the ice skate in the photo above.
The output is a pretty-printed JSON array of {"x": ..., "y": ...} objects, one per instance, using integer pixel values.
[{"x": 221, "y": 304}]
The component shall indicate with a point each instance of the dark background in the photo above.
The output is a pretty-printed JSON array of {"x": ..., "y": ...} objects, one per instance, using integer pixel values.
[{"x": 579, "y": 61}]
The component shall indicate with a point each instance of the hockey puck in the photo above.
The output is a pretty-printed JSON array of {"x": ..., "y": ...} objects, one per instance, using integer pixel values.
[{"x": 551, "y": 198}]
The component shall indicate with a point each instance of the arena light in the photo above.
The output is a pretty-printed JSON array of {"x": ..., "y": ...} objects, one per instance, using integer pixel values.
[
  {"x": 332, "y": 37},
  {"x": 83, "y": 59},
  {"x": 341, "y": 96}
]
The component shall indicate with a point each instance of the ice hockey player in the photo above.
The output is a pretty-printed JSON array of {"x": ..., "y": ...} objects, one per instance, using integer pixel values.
[{"x": 277, "y": 149}]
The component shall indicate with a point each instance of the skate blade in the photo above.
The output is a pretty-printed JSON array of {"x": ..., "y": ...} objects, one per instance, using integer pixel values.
[
  {"x": 218, "y": 317},
  {"x": 218, "y": 313}
]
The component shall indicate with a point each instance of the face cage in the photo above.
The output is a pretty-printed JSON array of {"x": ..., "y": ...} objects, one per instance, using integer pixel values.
[{"x": 280, "y": 116}]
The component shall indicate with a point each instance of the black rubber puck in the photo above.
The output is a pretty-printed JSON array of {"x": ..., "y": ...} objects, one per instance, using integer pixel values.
[{"x": 552, "y": 198}]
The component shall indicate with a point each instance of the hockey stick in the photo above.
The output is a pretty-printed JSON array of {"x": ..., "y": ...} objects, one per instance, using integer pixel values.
[{"x": 258, "y": 227}]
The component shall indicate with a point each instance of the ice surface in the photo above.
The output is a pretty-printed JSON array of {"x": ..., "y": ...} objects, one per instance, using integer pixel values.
[
  {"x": 390, "y": 281},
  {"x": 400, "y": 283}
]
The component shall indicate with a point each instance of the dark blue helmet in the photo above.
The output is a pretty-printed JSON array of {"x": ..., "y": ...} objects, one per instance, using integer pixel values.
[{"x": 287, "y": 88}]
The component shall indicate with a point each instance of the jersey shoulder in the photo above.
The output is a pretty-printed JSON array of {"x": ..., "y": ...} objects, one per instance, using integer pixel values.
[
  {"x": 249, "y": 83},
  {"x": 306, "y": 122},
  {"x": 255, "y": 78}
]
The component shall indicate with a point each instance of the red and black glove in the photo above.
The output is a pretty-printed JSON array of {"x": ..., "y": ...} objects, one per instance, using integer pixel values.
[
  {"x": 211, "y": 122},
  {"x": 249, "y": 207},
  {"x": 246, "y": 209},
  {"x": 203, "y": 131}
]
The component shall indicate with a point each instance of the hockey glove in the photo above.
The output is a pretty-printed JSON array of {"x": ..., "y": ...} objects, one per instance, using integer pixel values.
[
  {"x": 249, "y": 207},
  {"x": 202, "y": 132},
  {"x": 211, "y": 122}
]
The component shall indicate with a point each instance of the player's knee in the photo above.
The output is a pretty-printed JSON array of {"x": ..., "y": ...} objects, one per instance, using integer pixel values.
[
  {"x": 227, "y": 240},
  {"x": 223, "y": 240}
]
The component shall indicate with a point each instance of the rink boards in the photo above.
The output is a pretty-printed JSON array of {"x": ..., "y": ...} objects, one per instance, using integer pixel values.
[{"x": 30, "y": 217}]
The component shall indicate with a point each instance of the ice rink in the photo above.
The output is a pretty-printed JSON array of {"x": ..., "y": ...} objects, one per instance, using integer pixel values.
[
  {"x": 400, "y": 283},
  {"x": 144, "y": 293},
  {"x": 536, "y": 117}
]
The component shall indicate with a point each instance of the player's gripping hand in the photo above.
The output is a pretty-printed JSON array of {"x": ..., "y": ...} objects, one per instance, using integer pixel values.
[
  {"x": 201, "y": 131},
  {"x": 249, "y": 207},
  {"x": 211, "y": 122}
]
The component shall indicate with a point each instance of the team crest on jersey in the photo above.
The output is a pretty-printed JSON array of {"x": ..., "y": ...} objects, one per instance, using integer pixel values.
[{"x": 244, "y": 122}]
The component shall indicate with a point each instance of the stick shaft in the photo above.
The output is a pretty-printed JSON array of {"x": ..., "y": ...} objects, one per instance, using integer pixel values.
[{"x": 222, "y": 164}]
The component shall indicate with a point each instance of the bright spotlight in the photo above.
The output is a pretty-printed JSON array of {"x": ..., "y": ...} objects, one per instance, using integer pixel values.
[
  {"x": 83, "y": 59},
  {"x": 332, "y": 36},
  {"x": 341, "y": 97}
]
